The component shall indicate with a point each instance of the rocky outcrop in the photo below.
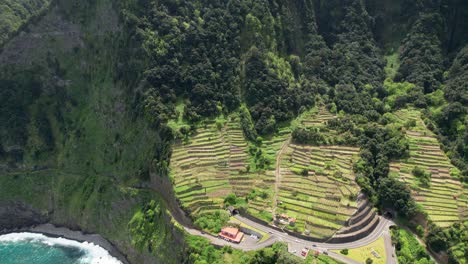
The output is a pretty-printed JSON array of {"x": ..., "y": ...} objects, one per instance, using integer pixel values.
[{"x": 14, "y": 215}]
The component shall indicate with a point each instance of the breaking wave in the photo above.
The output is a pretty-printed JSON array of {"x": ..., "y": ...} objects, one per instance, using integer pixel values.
[{"x": 90, "y": 253}]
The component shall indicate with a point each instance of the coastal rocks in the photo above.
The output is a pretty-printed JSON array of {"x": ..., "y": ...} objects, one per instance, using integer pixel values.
[{"x": 15, "y": 214}]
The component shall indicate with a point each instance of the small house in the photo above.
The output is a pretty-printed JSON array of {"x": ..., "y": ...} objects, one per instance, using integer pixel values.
[{"x": 231, "y": 234}]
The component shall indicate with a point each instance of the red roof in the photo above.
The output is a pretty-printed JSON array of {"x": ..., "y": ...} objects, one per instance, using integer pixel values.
[
  {"x": 232, "y": 234},
  {"x": 230, "y": 230}
]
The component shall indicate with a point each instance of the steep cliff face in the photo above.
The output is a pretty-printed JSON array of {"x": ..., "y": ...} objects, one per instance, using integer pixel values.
[
  {"x": 72, "y": 152},
  {"x": 15, "y": 214}
]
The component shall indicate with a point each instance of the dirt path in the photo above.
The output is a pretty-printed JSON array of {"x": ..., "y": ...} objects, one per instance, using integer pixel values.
[{"x": 278, "y": 175}]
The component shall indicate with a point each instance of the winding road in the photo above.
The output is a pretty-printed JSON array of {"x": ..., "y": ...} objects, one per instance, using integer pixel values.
[{"x": 296, "y": 244}]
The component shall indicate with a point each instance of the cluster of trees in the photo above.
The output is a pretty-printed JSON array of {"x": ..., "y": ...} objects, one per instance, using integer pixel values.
[
  {"x": 453, "y": 240},
  {"x": 145, "y": 227},
  {"x": 14, "y": 14},
  {"x": 270, "y": 98},
  {"x": 408, "y": 249},
  {"x": 421, "y": 54},
  {"x": 379, "y": 145},
  {"x": 312, "y": 136},
  {"x": 422, "y": 175},
  {"x": 213, "y": 222},
  {"x": 26, "y": 124},
  {"x": 201, "y": 251},
  {"x": 217, "y": 54},
  {"x": 452, "y": 121},
  {"x": 278, "y": 253},
  {"x": 320, "y": 136},
  {"x": 192, "y": 51},
  {"x": 19, "y": 90},
  {"x": 393, "y": 193}
]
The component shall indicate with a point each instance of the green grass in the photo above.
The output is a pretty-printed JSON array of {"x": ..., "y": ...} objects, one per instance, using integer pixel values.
[
  {"x": 392, "y": 65},
  {"x": 365, "y": 252},
  {"x": 320, "y": 259}
]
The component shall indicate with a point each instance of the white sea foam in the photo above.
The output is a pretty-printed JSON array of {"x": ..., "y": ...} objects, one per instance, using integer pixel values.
[{"x": 94, "y": 253}]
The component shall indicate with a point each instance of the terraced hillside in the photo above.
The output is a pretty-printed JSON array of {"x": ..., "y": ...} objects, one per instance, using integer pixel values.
[
  {"x": 214, "y": 164},
  {"x": 317, "y": 185},
  {"x": 316, "y": 117},
  {"x": 318, "y": 188},
  {"x": 444, "y": 198}
]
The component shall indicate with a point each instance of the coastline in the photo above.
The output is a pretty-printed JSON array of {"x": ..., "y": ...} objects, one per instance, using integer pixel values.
[{"x": 56, "y": 231}]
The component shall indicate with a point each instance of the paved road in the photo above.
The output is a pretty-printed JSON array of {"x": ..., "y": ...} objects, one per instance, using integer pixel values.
[
  {"x": 389, "y": 249},
  {"x": 297, "y": 244}
]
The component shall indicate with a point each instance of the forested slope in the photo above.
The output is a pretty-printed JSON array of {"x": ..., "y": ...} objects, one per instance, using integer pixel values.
[{"x": 95, "y": 93}]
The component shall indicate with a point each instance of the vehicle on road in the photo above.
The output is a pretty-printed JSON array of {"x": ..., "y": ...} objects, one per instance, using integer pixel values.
[{"x": 304, "y": 252}]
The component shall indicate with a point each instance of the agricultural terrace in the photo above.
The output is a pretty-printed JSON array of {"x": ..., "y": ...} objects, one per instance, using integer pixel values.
[
  {"x": 316, "y": 117},
  {"x": 436, "y": 186},
  {"x": 317, "y": 183},
  {"x": 318, "y": 187},
  {"x": 214, "y": 164}
]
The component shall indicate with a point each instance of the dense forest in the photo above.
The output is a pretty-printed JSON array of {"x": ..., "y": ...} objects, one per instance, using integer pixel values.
[{"x": 98, "y": 105}]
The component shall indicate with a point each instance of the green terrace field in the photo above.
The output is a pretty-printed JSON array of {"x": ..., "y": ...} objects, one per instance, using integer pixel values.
[
  {"x": 444, "y": 198},
  {"x": 315, "y": 117},
  {"x": 214, "y": 164},
  {"x": 317, "y": 185},
  {"x": 324, "y": 199}
]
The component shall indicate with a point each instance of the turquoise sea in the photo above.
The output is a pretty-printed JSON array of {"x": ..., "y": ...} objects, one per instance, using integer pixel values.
[{"x": 30, "y": 248}]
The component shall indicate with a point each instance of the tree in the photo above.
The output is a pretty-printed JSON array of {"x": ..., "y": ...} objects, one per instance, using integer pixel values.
[
  {"x": 436, "y": 239},
  {"x": 230, "y": 199},
  {"x": 421, "y": 55},
  {"x": 394, "y": 194}
]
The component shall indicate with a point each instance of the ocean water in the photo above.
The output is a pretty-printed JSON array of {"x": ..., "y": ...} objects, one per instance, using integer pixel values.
[{"x": 31, "y": 248}]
